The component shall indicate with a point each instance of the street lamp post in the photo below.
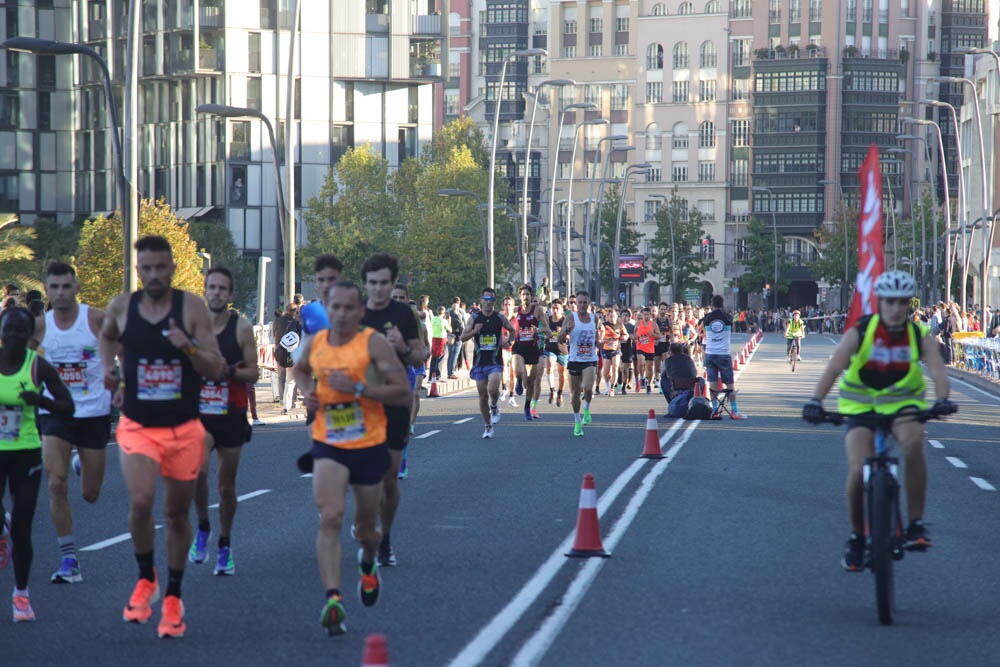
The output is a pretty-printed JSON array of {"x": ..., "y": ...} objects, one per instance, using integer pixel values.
[
  {"x": 493, "y": 150},
  {"x": 130, "y": 221},
  {"x": 261, "y": 286},
  {"x": 923, "y": 222},
  {"x": 600, "y": 215},
  {"x": 913, "y": 225},
  {"x": 843, "y": 217},
  {"x": 285, "y": 219},
  {"x": 588, "y": 265},
  {"x": 947, "y": 206},
  {"x": 673, "y": 251},
  {"x": 554, "y": 83},
  {"x": 569, "y": 194},
  {"x": 774, "y": 228},
  {"x": 642, "y": 168},
  {"x": 487, "y": 246},
  {"x": 207, "y": 264}
]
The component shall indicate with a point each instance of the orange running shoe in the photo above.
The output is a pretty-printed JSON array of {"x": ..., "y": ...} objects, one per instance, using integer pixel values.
[
  {"x": 139, "y": 609},
  {"x": 172, "y": 622}
]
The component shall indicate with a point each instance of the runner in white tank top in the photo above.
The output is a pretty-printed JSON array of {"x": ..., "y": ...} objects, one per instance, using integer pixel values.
[{"x": 584, "y": 338}]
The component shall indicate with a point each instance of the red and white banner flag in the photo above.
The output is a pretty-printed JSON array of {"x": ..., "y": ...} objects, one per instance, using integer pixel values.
[{"x": 871, "y": 260}]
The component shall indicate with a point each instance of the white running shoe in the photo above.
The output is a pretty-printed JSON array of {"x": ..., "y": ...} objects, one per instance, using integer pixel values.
[
  {"x": 488, "y": 432},
  {"x": 494, "y": 414}
]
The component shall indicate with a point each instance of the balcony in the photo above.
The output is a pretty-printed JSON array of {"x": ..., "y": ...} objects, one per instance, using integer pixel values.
[
  {"x": 377, "y": 23},
  {"x": 781, "y": 53},
  {"x": 210, "y": 17},
  {"x": 97, "y": 29},
  {"x": 427, "y": 24},
  {"x": 208, "y": 59}
]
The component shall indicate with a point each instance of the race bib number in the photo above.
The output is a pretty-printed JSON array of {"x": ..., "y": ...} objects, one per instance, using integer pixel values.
[
  {"x": 10, "y": 424},
  {"x": 487, "y": 343},
  {"x": 158, "y": 380},
  {"x": 610, "y": 344},
  {"x": 643, "y": 340},
  {"x": 214, "y": 398},
  {"x": 74, "y": 376},
  {"x": 527, "y": 334},
  {"x": 585, "y": 345},
  {"x": 344, "y": 423}
]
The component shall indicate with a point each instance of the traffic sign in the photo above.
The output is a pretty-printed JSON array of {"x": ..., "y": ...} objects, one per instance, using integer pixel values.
[{"x": 692, "y": 296}]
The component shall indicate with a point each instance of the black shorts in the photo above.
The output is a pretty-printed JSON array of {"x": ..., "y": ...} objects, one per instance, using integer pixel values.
[
  {"x": 227, "y": 431},
  {"x": 397, "y": 427},
  {"x": 367, "y": 465},
  {"x": 610, "y": 354},
  {"x": 575, "y": 368},
  {"x": 85, "y": 432},
  {"x": 661, "y": 349},
  {"x": 628, "y": 354},
  {"x": 648, "y": 356},
  {"x": 528, "y": 351}
]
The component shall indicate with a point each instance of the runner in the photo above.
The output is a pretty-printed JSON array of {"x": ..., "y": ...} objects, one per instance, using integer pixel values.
[
  {"x": 647, "y": 336},
  {"x": 629, "y": 360},
  {"x": 584, "y": 338},
  {"x": 487, "y": 328},
  {"x": 530, "y": 323},
  {"x": 554, "y": 356},
  {"x": 223, "y": 408},
  {"x": 166, "y": 346},
  {"x": 23, "y": 375},
  {"x": 337, "y": 371},
  {"x": 663, "y": 326},
  {"x": 510, "y": 388},
  {"x": 400, "y": 294},
  {"x": 612, "y": 336},
  {"x": 67, "y": 336},
  {"x": 398, "y": 324}
]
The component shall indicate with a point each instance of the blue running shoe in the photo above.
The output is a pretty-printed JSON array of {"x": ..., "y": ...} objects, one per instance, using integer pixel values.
[
  {"x": 519, "y": 388},
  {"x": 224, "y": 562},
  {"x": 199, "y": 548},
  {"x": 68, "y": 572}
]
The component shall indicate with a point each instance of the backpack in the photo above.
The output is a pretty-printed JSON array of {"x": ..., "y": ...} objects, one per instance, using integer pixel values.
[
  {"x": 678, "y": 408},
  {"x": 287, "y": 344},
  {"x": 456, "y": 322},
  {"x": 699, "y": 408}
]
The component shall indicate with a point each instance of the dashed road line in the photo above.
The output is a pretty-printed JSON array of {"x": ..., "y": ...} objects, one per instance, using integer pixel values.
[
  {"x": 462, "y": 421},
  {"x": 936, "y": 444},
  {"x": 982, "y": 484},
  {"x": 245, "y": 496},
  {"x": 426, "y": 435},
  {"x": 957, "y": 462},
  {"x": 111, "y": 541}
]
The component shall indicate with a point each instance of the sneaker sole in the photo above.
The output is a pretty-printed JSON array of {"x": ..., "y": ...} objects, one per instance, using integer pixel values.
[
  {"x": 24, "y": 619},
  {"x": 172, "y": 633},
  {"x": 225, "y": 573},
  {"x": 152, "y": 601},
  {"x": 72, "y": 579}
]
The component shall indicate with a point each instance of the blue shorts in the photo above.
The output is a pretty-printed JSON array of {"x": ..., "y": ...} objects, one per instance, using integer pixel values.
[
  {"x": 483, "y": 373},
  {"x": 411, "y": 375},
  {"x": 561, "y": 359},
  {"x": 719, "y": 364}
]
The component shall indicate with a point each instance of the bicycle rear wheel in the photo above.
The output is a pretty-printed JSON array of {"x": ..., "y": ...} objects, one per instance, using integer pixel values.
[{"x": 881, "y": 497}]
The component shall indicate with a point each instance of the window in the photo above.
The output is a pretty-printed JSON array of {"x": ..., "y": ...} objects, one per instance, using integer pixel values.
[
  {"x": 741, "y": 133},
  {"x": 596, "y": 51},
  {"x": 815, "y": 10},
  {"x": 592, "y": 94},
  {"x": 680, "y": 136},
  {"x": 707, "y": 89},
  {"x": 46, "y": 68},
  {"x": 569, "y": 52},
  {"x": 685, "y": 8},
  {"x": 619, "y": 96},
  {"x": 713, "y": 7},
  {"x": 10, "y": 111},
  {"x": 706, "y": 135},
  {"x": 654, "y": 92},
  {"x": 681, "y": 59},
  {"x": 709, "y": 57},
  {"x": 569, "y": 27},
  {"x": 681, "y": 91},
  {"x": 596, "y": 24},
  {"x": 738, "y": 173},
  {"x": 44, "y": 110},
  {"x": 680, "y": 173},
  {"x": 794, "y": 11},
  {"x": 621, "y": 49},
  {"x": 9, "y": 193},
  {"x": 254, "y": 99},
  {"x": 650, "y": 207},
  {"x": 654, "y": 175},
  {"x": 654, "y": 56},
  {"x": 654, "y": 140},
  {"x": 451, "y": 105},
  {"x": 774, "y": 11},
  {"x": 742, "y": 9},
  {"x": 565, "y": 169},
  {"x": 708, "y": 249},
  {"x": 659, "y": 9},
  {"x": 254, "y": 48},
  {"x": 342, "y": 138},
  {"x": 706, "y": 172},
  {"x": 621, "y": 24},
  {"x": 741, "y": 52}
]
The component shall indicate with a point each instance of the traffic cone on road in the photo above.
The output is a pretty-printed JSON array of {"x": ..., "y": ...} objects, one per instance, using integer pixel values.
[
  {"x": 651, "y": 447},
  {"x": 376, "y": 652},
  {"x": 588, "y": 532},
  {"x": 432, "y": 392},
  {"x": 736, "y": 362}
]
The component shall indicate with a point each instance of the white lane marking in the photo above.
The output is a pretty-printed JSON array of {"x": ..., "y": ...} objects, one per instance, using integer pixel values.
[
  {"x": 982, "y": 484},
  {"x": 975, "y": 388},
  {"x": 462, "y": 421},
  {"x": 535, "y": 648},
  {"x": 957, "y": 462},
  {"x": 111, "y": 541},
  {"x": 245, "y": 496},
  {"x": 669, "y": 434},
  {"x": 936, "y": 444},
  {"x": 425, "y": 435},
  {"x": 493, "y": 632},
  {"x": 308, "y": 474}
]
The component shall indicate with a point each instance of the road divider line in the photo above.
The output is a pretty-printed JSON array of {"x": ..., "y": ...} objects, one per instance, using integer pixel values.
[
  {"x": 426, "y": 435},
  {"x": 462, "y": 421},
  {"x": 982, "y": 484},
  {"x": 535, "y": 648},
  {"x": 973, "y": 387},
  {"x": 245, "y": 496},
  {"x": 111, "y": 541},
  {"x": 487, "y": 639},
  {"x": 936, "y": 444},
  {"x": 957, "y": 462}
]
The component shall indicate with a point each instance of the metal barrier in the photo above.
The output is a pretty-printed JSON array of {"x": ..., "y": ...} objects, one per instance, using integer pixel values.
[{"x": 978, "y": 355}]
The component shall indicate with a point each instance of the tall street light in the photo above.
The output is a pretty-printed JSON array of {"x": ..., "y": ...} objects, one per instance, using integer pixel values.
[
  {"x": 774, "y": 228},
  {"x": 552, "y": 83},
  {"x": 923, "y": 222},
  {"x": 913, "y": 225},
  {"x": 555, "y": 172},
  {"x": 130, "y": 218},
  {"x": 843, "y": 217},
  {"x": 286, "y": 220},
  {"x": 642, "y": 168},
  {"x": 600, "y": 215},
  {"x": 947, "y": 206},
  {"x": 588, "y": 265},
  {"x": 569, "y": 195},
  {"x": 525, "y": 53},
  {"x": 673, "y": 250},
  {"x": 487, "y": 246}
]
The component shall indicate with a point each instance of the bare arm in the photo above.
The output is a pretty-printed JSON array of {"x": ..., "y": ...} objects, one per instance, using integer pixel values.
[
  {"x": 247, "y": 371},
  {"x": 61, "y": 403},
  {"x": 109, "y": 340},
  {"x": 304, "y": 375},
  {"x": 935, "y": 366},
  {"x": 205, "y": 356},
  {"x": 396, "y": 390},
  {"x": 505, "y": 323},
  {"x": 838, "y": 362},
  {"x": 567, "y": 327},
  {"x": 470, "y": 331}
]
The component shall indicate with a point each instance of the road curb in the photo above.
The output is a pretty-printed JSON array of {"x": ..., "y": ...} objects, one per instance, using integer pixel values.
[{"x": 989, "y": 386}]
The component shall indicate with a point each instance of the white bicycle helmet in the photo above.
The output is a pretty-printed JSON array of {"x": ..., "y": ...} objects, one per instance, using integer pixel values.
[{"x": 896, "y": 284}]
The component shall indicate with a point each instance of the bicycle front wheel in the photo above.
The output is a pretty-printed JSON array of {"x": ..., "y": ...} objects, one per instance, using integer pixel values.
[{"x": 881, "y": 496}]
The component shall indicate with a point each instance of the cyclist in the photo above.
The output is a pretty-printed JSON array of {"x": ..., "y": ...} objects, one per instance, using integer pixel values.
[
  {"x": 795, "y": 331},
  {"x": 880, "y": 355}
]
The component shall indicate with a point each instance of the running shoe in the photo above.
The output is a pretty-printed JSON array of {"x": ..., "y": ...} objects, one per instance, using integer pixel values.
[
  {"x": 76, "y": 463},
  {"x": 495, "y": 413},
  {"x": 5, "y": 542},
  {"x": 332, "y": 616},
  {"x": 578, "y": 428},
  {"x": 199, "y": 548},
  {"x": 917, "y": 537},
  {"x": 586, "y": 417},
  {"x": 624, "y": 389},
  {"x": 172, "y": 618},
  {"x": 404, "y": 471},
  {"x": 854, "y": 554},
  {"x": 139, "y": 609},
  {"x": 513, "y": 402},
  {"x": 559, "y": 400},
  {"x": 552, "y": 395},
  {"x": 649, "y": 389},
  {"x": 21, "y": 608},
  {"x": 413, "y": 430},
  {"x": 736, "y": 414},
  {"x": 611, "y": 392},
  {"x": 368, "y": 583},
  {"x": 504, "y": 394},
  {"x": 386, "y": 556},
  {"x": 534, "y": 414},
  {"x": 224, "y": 561},
  {"x": 519, "y": 388},
  {"x": 68, "y": 572},
  {"x": 488, "y": 433},
  {"x": 527, "y": 411},
  {"x": 257, "y": 422}
]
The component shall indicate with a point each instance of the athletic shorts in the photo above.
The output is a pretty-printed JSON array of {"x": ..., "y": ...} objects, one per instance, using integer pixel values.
[
  {"x": 648, "y": 356},
  {"x": 419, "y": 371},
  {"x": 178, "y": 449},
  {"x": 411, "y": 376},
  {"x": 367, "y": 465},
  {"x": 575, "y": 368},
  {"x": 610, "y": 354},
  {"x": 628, "y": 354},
  {"x": 529, "y": 352},
  {"x": 227, "y": 431},
  {"x": 561, "y": 359},
  {"x": 397, "y": 426},
  {"x": 719, "y": 364},
  {"x": 483, "y": 373},
  {"x": 84, "y": 432},
  {"x": 661, "y": 349}
]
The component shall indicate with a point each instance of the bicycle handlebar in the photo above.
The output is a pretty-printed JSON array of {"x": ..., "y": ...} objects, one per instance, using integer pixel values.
[{"x": 875, "y": 420}]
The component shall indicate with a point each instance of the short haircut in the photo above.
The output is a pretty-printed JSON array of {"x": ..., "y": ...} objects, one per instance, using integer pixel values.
[
  {"x": 224, "y": 271},
  {"x": 379, "y": 261},
  {"x": 22, "y": 312},
  {"x": 456, "y": 300},
  {"x": 718, "y": 301},
  {"x": 490, "y": 290},
  {"x": 327, "y": 262},
  {"x": 32, "y": 295},
  {"x": 402, "y": 286},
  {"x": 583, "y": 292},
  {"x": 676, "y": 348},
  {"x": 11, "y": 287},
  {"x": 523, "y": 287},
  {"x": 556, "y": 302},
  {"x": 153, "y": 244},
  {"x": 664, "y": 303},
  {"x": 347, "y": 284},
  {"x": 59, "y": 269}
]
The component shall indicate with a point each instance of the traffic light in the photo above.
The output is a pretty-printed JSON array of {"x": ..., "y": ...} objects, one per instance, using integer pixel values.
[
  {"x": 705, "y": 244},
  {"x": 767, "y": 289}
]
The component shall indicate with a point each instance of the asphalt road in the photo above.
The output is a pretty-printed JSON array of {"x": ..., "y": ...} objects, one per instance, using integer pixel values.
[{"x": 724, "y": 553}]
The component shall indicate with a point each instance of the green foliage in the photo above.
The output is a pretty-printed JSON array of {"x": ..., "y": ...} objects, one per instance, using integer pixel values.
[
  {"x": 99, "y": 259},
  {"x": 216, "y": 239},
  {"x": 685, "y": 228},
  {"x": 759, "y": 265},
  {"x": 17, "y": 255},
  {"x": 833, "y": 244},
  {"x": 628, "y": 242},
  {"x": 460, "y": 132},
  {"x": 55, "y": 242}
]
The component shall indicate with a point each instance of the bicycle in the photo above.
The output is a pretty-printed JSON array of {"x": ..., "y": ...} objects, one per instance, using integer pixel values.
[
  {"x": 883, "y": 519},
  {"x": 794, "y": 351}
]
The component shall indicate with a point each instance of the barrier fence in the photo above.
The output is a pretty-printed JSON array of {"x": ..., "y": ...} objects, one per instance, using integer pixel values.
[{"x": 978, "y": 355}]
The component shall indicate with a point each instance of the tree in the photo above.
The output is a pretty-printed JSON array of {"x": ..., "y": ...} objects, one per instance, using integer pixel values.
[
  {"x": 55, "y": 242},
  {"x": 679, "y": 234},
  {"x": 628, "y": 242},
  {"x": 100, "y": 252},
  {"x": 459, "y": 132},
  {"x": 759, "y": 264},
  {"x": 16, "y": 255},
  {"x": 829, "y": 266},
  {"x": 216, "y": 239}
]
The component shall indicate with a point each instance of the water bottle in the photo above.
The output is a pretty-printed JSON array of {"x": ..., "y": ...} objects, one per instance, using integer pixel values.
[{"x": 314, "y": 317}]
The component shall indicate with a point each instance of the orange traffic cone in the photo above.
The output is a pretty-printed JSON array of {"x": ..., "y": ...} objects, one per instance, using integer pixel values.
[
  {"x": 736, "y": 362},
  {"x": 699, "y": 388},
  {"x": 432, "y": 391},
  {"x": 651, "y": 447},
  {"x": 588, "y": 532},
  {"x": 376, "y": 652}
]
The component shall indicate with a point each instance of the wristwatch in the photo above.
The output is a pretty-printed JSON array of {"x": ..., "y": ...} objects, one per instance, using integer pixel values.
[{"x": 359, "y": 388}]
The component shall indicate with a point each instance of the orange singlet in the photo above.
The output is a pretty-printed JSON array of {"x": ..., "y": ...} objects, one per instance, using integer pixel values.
[{"x": 644, "y": 337}]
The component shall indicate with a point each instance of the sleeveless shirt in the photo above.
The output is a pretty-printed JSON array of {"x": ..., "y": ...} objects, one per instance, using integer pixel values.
[
  {"x": 226, "y": 396},
  {"x": 75, "y": 354}
]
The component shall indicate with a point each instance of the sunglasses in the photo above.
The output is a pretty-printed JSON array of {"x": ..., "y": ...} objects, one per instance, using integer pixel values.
[
  {"x": 896, "y": 302},
  {"x": 489, "y": 298}
]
